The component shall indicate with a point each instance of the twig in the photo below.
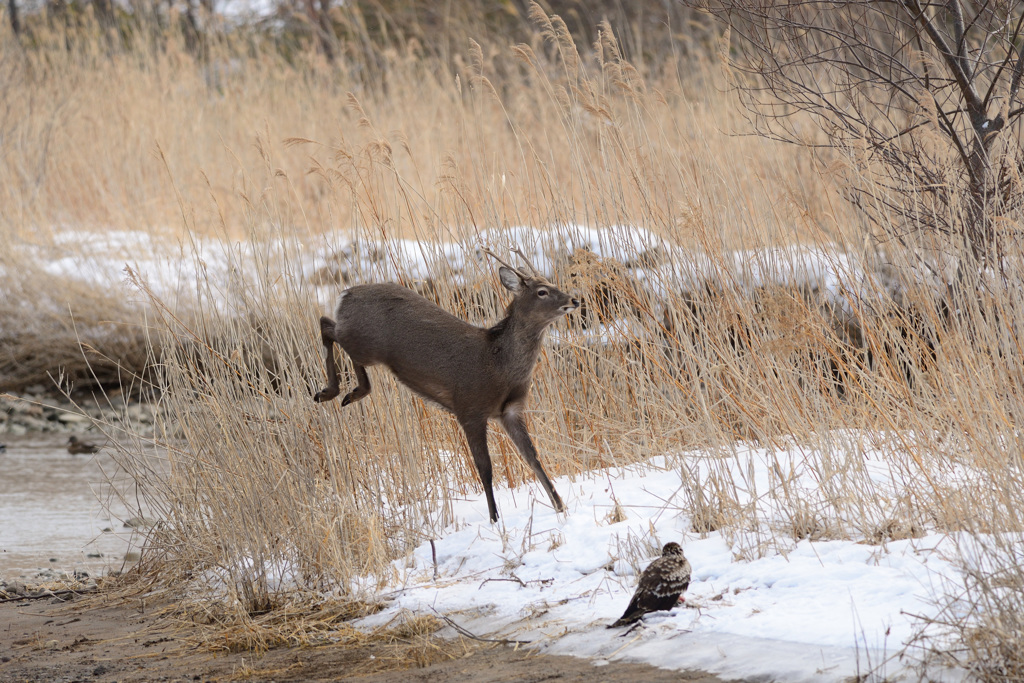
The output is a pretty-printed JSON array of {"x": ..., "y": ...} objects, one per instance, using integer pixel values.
[
  {"x": 433, "y": 555},
  {"x": 632, "y": 628},
  {"x": 513, "y": 579},
  {"x": 467, "y": 634}
]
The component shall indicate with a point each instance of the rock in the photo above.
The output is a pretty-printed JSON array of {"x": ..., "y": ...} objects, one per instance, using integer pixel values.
[
  {"x": 139, "y": 413},
  {"x": 26, "y": 424},
  {"x": 139, "y": 522},
  {"x": 33, "y": 409},
  {"x": 23, "y": 414},
  {"x": 15, "y": 588}
]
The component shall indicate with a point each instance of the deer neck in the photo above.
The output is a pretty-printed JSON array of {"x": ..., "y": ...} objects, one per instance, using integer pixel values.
[{"x": 515, "y": 344}]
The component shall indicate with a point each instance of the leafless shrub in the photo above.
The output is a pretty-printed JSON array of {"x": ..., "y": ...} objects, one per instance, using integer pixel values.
[{"x": 919, "y": 97}]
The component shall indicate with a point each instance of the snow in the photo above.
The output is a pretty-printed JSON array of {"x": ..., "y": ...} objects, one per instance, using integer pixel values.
[
  {"x": 170, "y": 268},
  {"x": 807, "y": 611},
  {"x": 762, "y": 604},
  {"x": 246, "y": 9}
]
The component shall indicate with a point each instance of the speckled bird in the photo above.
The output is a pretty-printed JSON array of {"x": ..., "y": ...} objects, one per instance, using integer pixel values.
[{"x": 660, "y": 585}]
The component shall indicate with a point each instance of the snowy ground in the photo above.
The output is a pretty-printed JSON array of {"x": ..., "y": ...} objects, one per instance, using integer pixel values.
[
  {"x": 817, "y": 611},
  {"x": 170, "y": 268},
  {"x": 761, "y": 605}
]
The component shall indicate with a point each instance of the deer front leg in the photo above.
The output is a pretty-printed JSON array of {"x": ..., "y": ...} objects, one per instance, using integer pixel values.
[
  {"x": 476, "y": 435},
  {"x": 512, "y": 421},
  {"x": 327, "y": 336}
]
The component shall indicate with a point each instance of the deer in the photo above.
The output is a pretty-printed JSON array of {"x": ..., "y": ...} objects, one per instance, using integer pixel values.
[{"x": 475, "y": 373}]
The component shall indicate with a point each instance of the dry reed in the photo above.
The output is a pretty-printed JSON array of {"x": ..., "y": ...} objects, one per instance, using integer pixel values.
[{"x": 683, "y": 348}]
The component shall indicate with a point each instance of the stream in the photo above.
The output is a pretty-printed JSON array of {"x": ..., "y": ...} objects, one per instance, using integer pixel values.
[{"x": 58, "y": 511}]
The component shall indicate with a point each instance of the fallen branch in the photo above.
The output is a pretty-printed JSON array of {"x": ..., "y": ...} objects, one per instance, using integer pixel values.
[
  {"x": 467, "y": 634},
  {"x": 513, "y": 579},
  {"x": 48, "y": 594}
]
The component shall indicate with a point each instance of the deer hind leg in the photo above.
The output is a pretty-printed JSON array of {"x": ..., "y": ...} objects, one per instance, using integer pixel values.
[
  {"x": 332, "y": 389},
  {"x": 362, "y": 389},
  {"x": 512, "y": 421},
  {"x": 476, "y": 435}
]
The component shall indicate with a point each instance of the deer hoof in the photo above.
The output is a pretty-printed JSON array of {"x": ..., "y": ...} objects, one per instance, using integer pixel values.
[{"x": 324, "y": 395}]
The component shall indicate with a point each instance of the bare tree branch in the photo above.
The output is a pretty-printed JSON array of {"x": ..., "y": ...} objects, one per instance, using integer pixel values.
[
  {"x": 1006, "y": 60},
  {"x": 971, "y": 96},
  {"x": 958, "y": 36},
  {"x": 1018, "y": 70},
  {"x": 894, "y": 88}
]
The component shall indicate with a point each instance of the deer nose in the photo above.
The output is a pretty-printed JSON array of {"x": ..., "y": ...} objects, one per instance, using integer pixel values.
[{"x": 574, "y": 303}]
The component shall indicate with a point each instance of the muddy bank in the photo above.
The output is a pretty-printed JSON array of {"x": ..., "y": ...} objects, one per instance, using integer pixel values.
[
  {"x": 104, "y": 638},
  {"x": 40, "y": 411}
]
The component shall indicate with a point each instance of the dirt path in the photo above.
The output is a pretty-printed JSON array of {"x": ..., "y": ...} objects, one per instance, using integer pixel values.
[{"x": 104, "y": 639}]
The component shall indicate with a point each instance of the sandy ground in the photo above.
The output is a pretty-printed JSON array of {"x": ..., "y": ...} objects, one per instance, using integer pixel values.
[{"x": 104, "y": 638}]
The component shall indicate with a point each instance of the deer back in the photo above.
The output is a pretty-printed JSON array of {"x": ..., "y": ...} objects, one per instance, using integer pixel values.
[{"x": 462, "y": 367}]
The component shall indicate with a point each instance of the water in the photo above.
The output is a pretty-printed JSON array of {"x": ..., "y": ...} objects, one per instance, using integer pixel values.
[{"x": 57, "y": 511}]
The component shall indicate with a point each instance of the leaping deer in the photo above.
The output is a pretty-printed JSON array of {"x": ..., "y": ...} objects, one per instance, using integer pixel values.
[{"x": 475, "y": 373}]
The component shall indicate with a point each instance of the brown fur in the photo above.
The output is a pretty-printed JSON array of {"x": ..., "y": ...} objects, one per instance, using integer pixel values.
[{"x": 475, "y": 373}]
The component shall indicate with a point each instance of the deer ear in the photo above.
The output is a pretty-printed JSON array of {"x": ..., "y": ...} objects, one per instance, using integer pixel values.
[{"x": 510, "y": 279}]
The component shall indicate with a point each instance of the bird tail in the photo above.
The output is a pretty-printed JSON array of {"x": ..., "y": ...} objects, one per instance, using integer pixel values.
[{"x": 626, "y": 619}]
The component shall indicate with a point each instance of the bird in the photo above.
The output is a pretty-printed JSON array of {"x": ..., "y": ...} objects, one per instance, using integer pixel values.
[
  {"x": 76, "y": 447},
  {"x": 660, "y": 585}
]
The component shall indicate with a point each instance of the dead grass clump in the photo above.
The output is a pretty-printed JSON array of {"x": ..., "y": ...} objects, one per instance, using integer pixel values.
[
  {"x": 894, "y": 529},
  {"x": 616, "y": 514},
  {"x": 711, "y": 507},
  {"x": 60, "y": 329},
  {"x": 805, "y": 523},
  {"x": 410, "y": 643},
  {"x": 294, "y": 624},
  {"x": 413, "y": 626},
  {"x": 609, "y": 295},
  {"x": 414, "y": 643}
]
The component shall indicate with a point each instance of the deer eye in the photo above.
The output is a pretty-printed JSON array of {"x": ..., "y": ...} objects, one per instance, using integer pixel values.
[{"x": 542, "y": 292}]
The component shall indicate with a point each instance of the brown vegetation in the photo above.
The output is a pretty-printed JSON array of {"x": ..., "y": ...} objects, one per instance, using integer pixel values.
[{"x": 723, "y": 337}]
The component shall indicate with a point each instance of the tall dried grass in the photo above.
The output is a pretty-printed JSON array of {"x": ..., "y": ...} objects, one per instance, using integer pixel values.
[{"x": 262, "y": 492}]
